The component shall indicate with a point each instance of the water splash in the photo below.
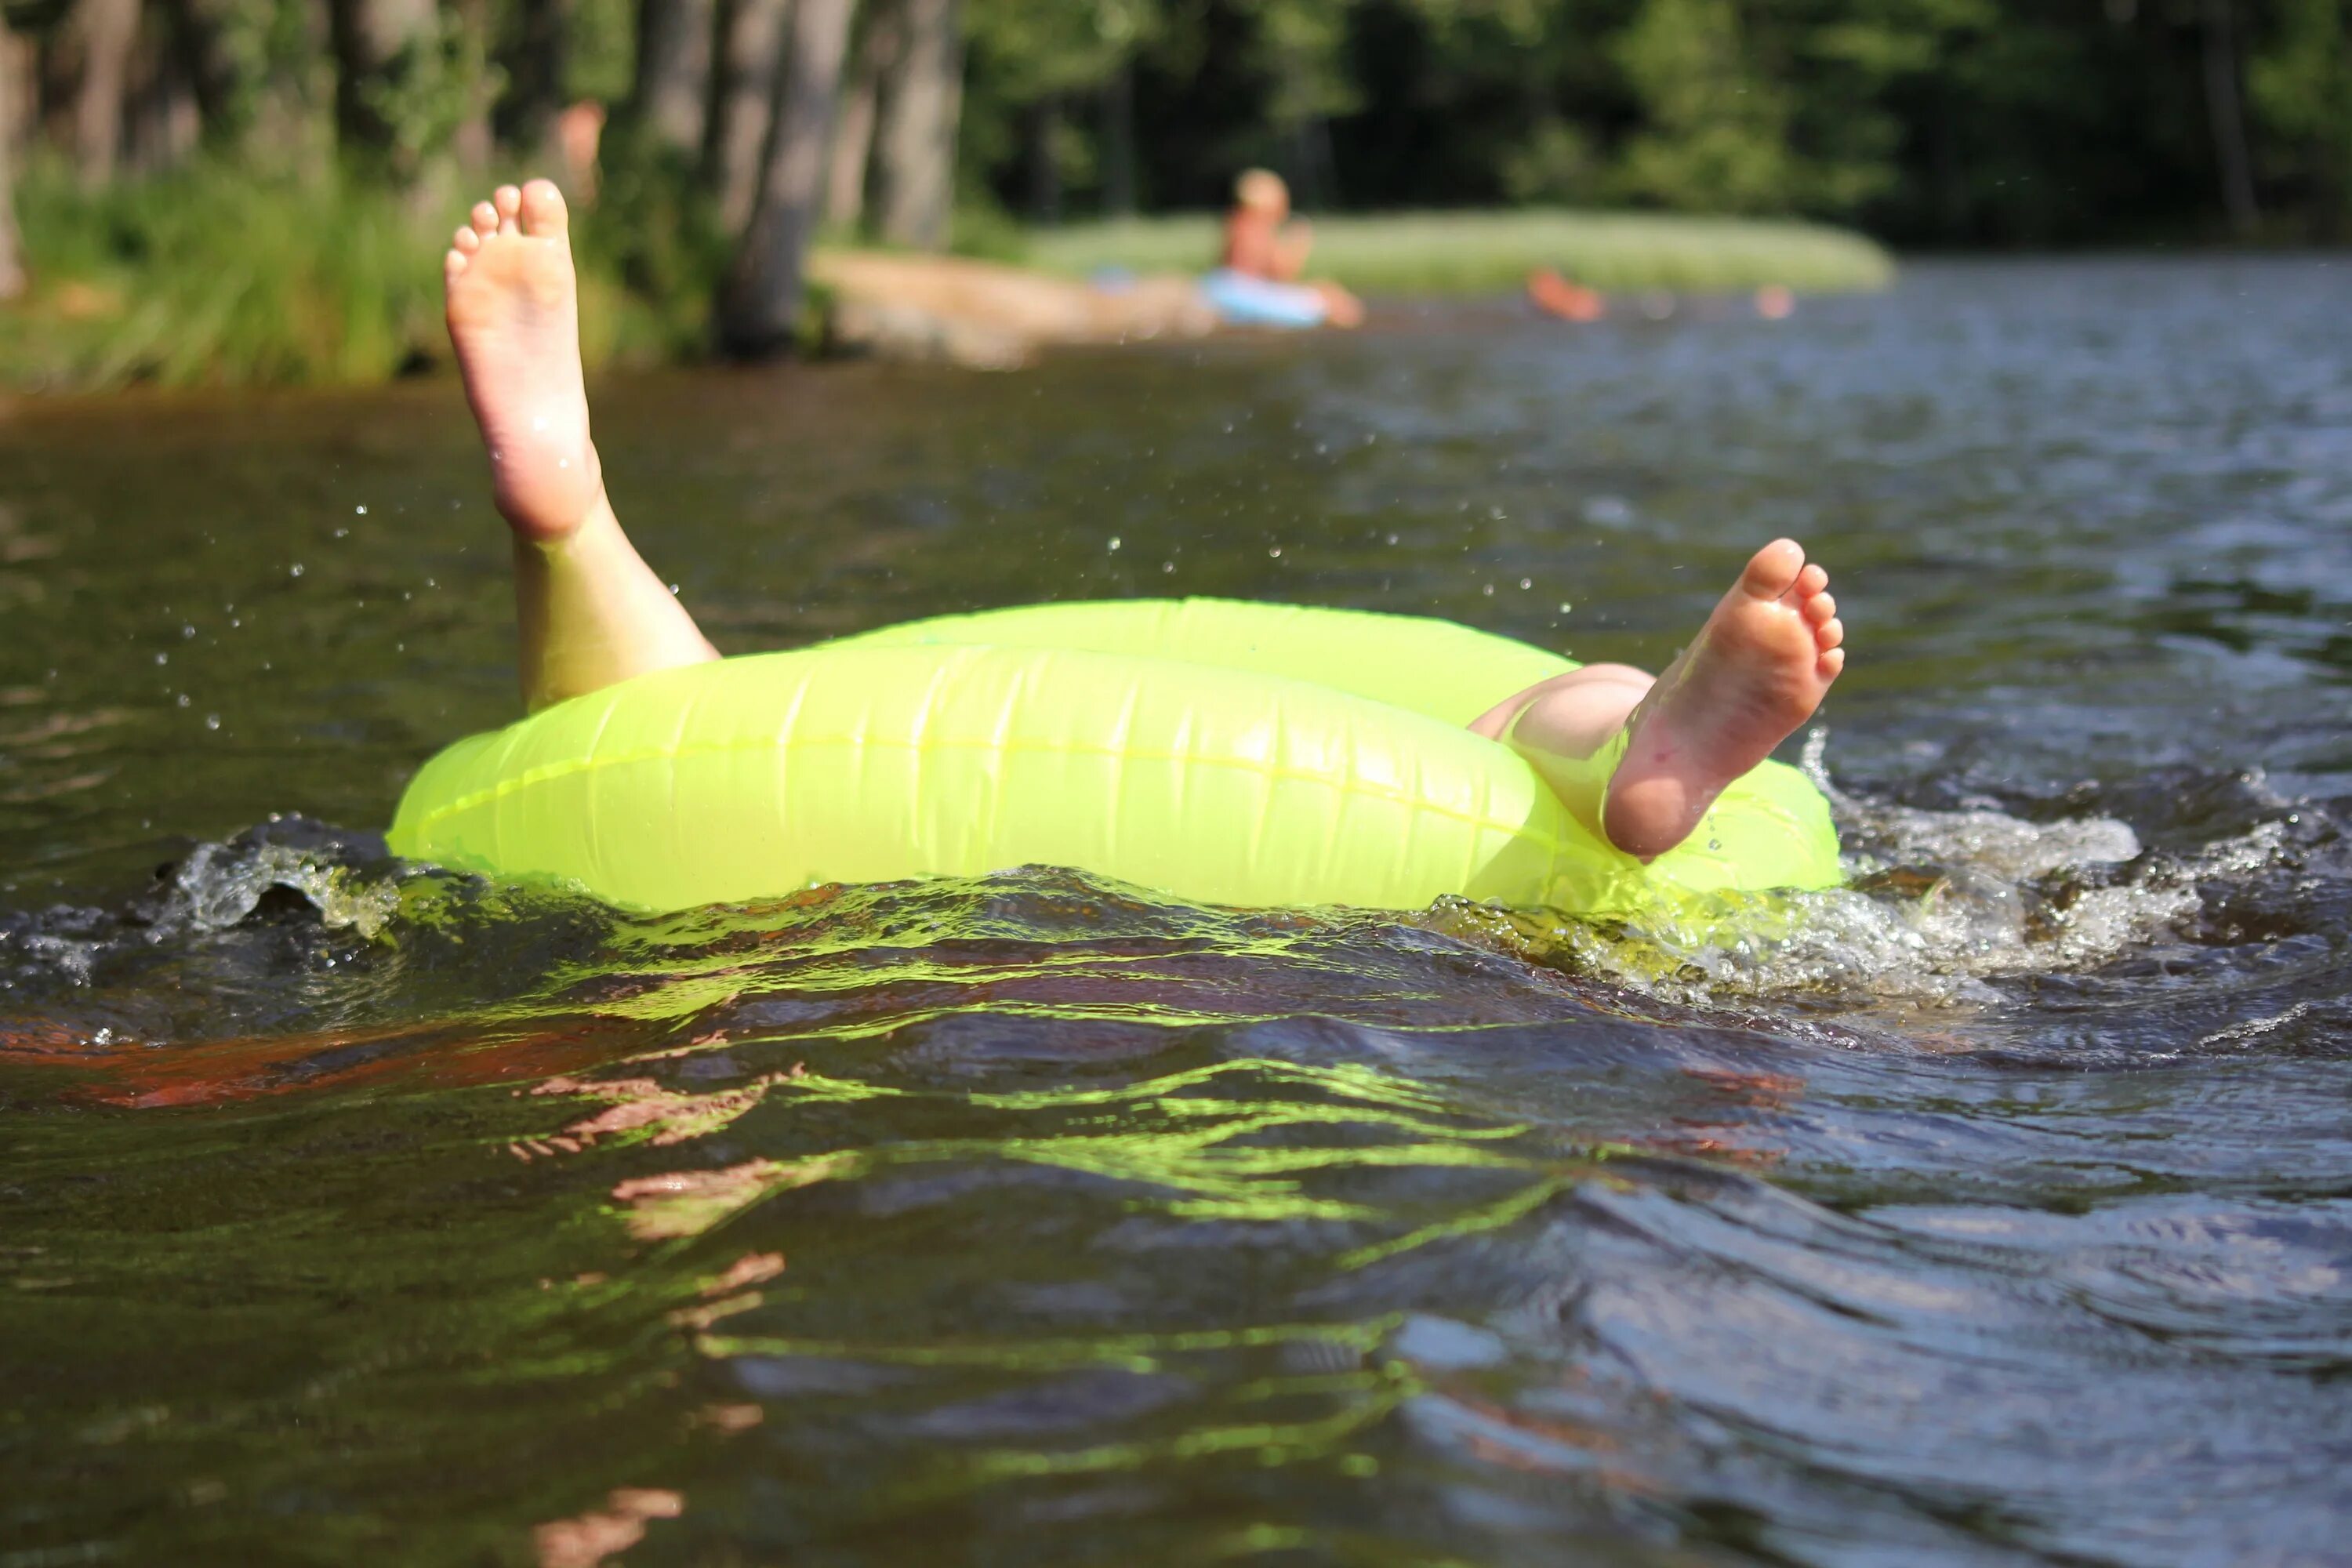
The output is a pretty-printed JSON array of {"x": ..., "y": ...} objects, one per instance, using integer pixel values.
[{"x": 1940, "y": 904}]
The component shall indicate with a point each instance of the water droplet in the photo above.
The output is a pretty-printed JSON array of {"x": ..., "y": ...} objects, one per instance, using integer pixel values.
[
  {"x": 1113, "y": 542},
  {"x": 187, "y": 631},
  {"x": 295, "y": 570},
  {"x": 184, "y": 699},
  {"x": 211, "y": 721},
  {"x": 163, "y": 659},
  {"x": 357, "y": 512},
  {"x": 1392, "y": 539},
  {"x": 1276, "y": 553},
  {"x": 1488, "y": 590}
]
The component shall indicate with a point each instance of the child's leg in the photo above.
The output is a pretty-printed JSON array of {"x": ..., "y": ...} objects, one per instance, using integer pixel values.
[
  {"x": 591, "y": 612},
  {"x": 1640, "y": 761}
]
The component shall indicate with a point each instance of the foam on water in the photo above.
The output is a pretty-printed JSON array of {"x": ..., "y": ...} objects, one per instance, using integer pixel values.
[{"x": 1938, "y": 904}]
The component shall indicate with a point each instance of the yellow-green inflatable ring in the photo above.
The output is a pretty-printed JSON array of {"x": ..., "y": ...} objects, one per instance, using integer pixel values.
[{"x": 1223, "y": 752}]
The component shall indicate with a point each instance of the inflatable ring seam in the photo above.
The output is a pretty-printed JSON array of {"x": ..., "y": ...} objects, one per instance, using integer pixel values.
[{"x": 1387, "y": 793}]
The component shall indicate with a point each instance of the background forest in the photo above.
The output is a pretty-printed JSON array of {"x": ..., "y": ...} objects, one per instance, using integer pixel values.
[{"x": 205, "y": 161}]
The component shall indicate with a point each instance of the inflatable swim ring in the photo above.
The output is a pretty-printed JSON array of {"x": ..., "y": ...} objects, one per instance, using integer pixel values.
[
  {"x": 1225, "y": 753},
  {"x": 1242, "y": 301}
]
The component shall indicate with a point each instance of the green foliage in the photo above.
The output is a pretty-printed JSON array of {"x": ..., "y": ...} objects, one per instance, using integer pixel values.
[
  {"x": 655, "y": 236},
  {"x": 1027, "y": 49},
  {"x": 2301, "y": 88},
  {"x": 600, "y": 61},
  {"x": 215, "y": 277},
  {"x": 1717, "y": 137},
  {"x": 1484, "y": 252},
  {"x": 428, "y": 91}
]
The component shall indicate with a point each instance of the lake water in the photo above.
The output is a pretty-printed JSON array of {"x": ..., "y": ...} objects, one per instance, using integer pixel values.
[{"x": 1996, "y": 1209}]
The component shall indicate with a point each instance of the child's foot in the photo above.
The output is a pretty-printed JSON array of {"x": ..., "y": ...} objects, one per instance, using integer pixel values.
[
  {"x": 1757, "y": 670},
  {"x": 514, "y": 314}
]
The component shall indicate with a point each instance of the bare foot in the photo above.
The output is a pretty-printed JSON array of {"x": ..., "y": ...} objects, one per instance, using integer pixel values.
[
  {"x": 514, "y": 315},
  {"x": 1758, "y": 669}
]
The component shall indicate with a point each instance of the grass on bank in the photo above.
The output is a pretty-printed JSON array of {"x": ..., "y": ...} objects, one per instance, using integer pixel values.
[
  {"x": 1490, "y": 252},
  {"x": 211, "y": 277}
]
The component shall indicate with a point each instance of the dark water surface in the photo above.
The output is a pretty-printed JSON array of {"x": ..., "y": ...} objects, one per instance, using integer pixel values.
[{"x": 1998, "y": 1209}]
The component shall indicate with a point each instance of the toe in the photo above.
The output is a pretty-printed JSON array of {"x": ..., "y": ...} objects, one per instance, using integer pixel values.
[
  {"x": 1811, "y": 580},
  {"x": 508, "y": 201},
  {"x": 453, "y": 266},
  {"x": 1821, "y": 609},
  {"x": 466, "y": 241},
  {"x": 486, "y": 220},
  {"x": 544, "y": 213},
  {"x": 1832, "y": 664},
  {"x": 1829, "y": 635},
  {"x": 1772, "y": 570}
]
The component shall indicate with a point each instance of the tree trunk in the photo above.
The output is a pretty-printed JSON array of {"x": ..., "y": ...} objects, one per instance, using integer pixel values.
[
  {"x": 2225, "y": 108},
  {"x": 673, "y": 85},
  {"x": 472, "y": 140},
  {"x": 534, "y": 68},
  {"x": 1045, "y": 160},
  {"x": 763, "y": 298},
  {"x": 1118, "y": 141},
  {"x": 884, "y": 40},
  {"x": 747, "y": 100},
  {"x": 380, "y": 46},
  {"x": 916, "y": 137},
  {"x": 199, "y": 34},
  {"x": 163, "y": 120},
  {"x": 108, "y": 30},
  {"x": 12, "y": 114}
]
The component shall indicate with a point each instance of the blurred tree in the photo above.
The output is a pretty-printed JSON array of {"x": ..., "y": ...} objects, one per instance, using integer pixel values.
[
  {"x": 12, "y": 247},
  {"x": 1037, "y": 66},
  {"x": 2225, "y": 112},
  {"x": 1716, "y": 132},
  {"x": 915, "y": 137},
  {"x": 381, "y": 49},
  {"x": 2300, "y": 83},
  {"x": 536, "y": 61},
  {"x": 672, "y": 95},
  {"x": 751, "y": 53},
  {"x": 1299, "y": 45},
  {"x": 759, "y": 315},
  {"x": 881, "y": 39},
  {"x": 106, "y": 31},
  {"x": 162, "y": 122},
  {"x": 1118, "y": 140}
]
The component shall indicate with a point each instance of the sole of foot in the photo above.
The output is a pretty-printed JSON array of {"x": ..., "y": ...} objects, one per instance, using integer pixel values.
[
  {"x": 1756, "y": 671},
  {"x": 513, "y": 310}
]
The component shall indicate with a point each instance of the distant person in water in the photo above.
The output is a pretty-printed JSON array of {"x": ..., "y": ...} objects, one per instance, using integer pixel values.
[
  {"x": 1644, "y": 757},
  {"x": 1258, "y": 281},
  {"x": 1555, "y": 295}
]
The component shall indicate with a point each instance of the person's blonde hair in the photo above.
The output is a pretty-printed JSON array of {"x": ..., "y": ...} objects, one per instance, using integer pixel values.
[{"x": 1261, "y": 188}]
